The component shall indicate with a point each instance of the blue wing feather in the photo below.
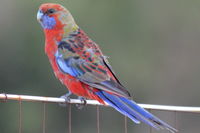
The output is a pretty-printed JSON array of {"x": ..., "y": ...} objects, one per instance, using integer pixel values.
[{"x": 63, "y": 65}]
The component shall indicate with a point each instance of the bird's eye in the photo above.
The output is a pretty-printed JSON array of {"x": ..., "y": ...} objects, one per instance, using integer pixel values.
[{"x": 50, "y": 11}]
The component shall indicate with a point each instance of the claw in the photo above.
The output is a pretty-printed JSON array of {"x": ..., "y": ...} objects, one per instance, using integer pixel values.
[
  {"x": 67, "y": 99},
  {"x": 83, "y": 103}
]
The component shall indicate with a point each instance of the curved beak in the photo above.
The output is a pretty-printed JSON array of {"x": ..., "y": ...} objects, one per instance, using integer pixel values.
[{"x": 39, "y": 15}]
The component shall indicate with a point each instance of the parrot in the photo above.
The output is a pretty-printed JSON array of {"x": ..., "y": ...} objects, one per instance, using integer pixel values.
[{"x": 80, "y": 65}]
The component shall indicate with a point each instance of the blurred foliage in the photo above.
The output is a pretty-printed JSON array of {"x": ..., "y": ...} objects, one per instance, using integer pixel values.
[{"x": 153, "y": 47}]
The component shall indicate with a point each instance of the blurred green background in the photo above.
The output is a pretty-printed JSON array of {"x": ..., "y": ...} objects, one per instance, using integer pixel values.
[{"x": 153, "y": 46}]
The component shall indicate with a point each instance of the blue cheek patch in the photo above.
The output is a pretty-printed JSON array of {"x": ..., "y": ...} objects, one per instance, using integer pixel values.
[{"x": 48, "y": 22}]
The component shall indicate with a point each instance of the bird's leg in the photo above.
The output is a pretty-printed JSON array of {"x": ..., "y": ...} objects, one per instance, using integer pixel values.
[
  {"x": 83, "y": 102},
  {"x": 67, "y": 98}
]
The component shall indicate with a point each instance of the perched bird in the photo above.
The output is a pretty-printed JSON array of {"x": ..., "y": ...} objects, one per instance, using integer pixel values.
[{"x": 79, "y": 64}]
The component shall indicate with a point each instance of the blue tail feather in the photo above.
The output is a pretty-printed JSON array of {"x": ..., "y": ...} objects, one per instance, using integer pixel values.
[
  {"x": 136, "y": 113},
  {"x": 113, "y": 104}
]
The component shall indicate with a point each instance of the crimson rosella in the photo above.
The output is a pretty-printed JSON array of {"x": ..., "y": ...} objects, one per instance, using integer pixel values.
[{"x": 79, "y": 64}]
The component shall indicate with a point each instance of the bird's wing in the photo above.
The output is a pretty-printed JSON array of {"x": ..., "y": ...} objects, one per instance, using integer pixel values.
[{"x": 92, "y": 72}]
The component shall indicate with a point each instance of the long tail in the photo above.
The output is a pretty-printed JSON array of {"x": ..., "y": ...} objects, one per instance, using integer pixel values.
[{"x": 136, "y": 113}]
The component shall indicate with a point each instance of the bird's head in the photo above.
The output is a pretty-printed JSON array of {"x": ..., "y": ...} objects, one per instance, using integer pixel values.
[{"x": 53, "y": 16}]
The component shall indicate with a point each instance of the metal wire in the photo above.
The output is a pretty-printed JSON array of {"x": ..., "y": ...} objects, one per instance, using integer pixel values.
[
  {"x": 150, "y": 128},
  {"x": 98, "y": 120},
  {"x": 175, "y": 120},
  {"x": 93, "y": 102},
  {"x": 44, "y": 118},
  {"x": 5, "y": 97},
  {"x": 70, "y": 118},
  {"x": 20, "y": 116},
  {"x": 125, "y": 125}
]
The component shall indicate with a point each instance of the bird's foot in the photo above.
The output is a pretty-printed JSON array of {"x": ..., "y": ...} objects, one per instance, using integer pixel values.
[
  {"x": 67, "y": 99},
  {"x": 82, "y": 104}
]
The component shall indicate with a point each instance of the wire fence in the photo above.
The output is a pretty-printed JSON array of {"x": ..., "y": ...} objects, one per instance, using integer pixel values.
[{"x": 45, "y": 100}]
